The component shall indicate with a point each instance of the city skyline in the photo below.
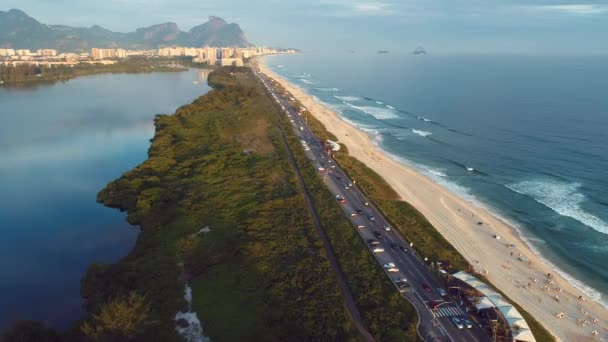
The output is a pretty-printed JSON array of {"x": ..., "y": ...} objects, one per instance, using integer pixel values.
[{"x": 441, "y": 26}]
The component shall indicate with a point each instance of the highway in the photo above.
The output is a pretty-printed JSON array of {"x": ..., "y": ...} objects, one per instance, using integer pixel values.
[{"x": 409, "y": 269}]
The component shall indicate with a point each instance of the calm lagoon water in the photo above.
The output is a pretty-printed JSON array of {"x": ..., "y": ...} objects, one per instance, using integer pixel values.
[
  {"x": 525, "y": 136},
  {"x": 59, "y": 145}
]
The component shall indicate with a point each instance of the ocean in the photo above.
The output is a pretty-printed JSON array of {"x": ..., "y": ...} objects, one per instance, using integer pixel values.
[
  {"x": 523, "y": 136},
  {"x": 60, "y": 145}
]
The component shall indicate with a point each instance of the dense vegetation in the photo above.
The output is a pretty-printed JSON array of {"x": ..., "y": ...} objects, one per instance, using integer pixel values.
[
  {"x": 27, "y": 74},
  {"x": 387, "y": 315},
  {"x": 409, "y": 221},
  {"x": 260, "y": 273}
]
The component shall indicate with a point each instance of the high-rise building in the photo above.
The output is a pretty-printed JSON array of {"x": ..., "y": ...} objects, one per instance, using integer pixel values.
[
  {"x": 46, "y": 52},
  {"x": 108, "y": 53}
]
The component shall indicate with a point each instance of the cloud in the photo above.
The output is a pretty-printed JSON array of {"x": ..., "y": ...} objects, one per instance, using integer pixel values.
[{"x": 578, "y": 9}]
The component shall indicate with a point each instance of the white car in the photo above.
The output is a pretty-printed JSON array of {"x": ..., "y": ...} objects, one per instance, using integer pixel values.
[
  {"x": 378, "y": 249},
  {"x": 457, "y": 322},
  {"x": 387, "y": 228}
]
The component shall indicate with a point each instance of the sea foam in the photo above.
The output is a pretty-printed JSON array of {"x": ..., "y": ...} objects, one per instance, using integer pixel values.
[
  {"x": 327, "y": 89},
  {"x": 563, "y": 198}
]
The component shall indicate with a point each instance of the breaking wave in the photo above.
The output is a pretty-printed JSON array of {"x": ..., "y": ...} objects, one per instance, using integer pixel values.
[
  {"x": 424, "y": 119},
  {"x": 563, "y": 198},
  {"x": 348, "y": 98},
  {"x": 421, "y": 133},
  {"x": 378, "y": 113},
  {"x": 327, "y": 89}
]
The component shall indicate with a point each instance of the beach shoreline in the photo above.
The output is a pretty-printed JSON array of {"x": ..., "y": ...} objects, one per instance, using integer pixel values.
[{"x": 472, "y": 230}]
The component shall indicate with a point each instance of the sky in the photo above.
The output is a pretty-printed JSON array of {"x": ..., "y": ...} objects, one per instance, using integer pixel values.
[{"x": 443, "y": 26}]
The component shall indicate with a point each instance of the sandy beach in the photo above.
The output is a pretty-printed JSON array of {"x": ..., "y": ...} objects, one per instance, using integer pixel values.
[{"x": 456, "y": 219}]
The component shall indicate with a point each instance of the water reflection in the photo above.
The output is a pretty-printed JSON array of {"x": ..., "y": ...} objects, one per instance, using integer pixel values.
[{"x": 60, "y": 145}]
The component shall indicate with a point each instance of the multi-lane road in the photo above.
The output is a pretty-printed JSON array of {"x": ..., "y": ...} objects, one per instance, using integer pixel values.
[{"x": 412, "y": 277}]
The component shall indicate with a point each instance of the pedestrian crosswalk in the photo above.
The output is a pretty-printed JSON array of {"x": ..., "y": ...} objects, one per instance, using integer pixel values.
[{"x": 448, "y": 311}]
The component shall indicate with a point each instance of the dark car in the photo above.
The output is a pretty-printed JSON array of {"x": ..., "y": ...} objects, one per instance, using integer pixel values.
[
  {"x": 377, "y": 234},
  {"x": 426, "y": 287},
  {"x": 371, "y": 217},
  {"x": 359, "y": 211},
  {"x": 432, "y": 304},
  {"x": 403, "y": 249},
  {"x": 402, "y": 285},
  {"x": 394, "y": 246},
  {"x": 373, "y": 242},
  {"x": 467, "y": 323}
]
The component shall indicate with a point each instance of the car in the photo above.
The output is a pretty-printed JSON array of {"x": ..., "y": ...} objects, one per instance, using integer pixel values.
[
  {"x": 345, "y": 188},
  {"x": 378, "y": 249},
  {"x": 361, "y": 226},
  {"x": 350, "y": 184},
  {"x": 457, "y": 322},
  {"x": 343, "y": 201},
  {"x": 426, "y": 287},
  {"x": 377, "y": 234},
  {"x": 387, "y": 228},
  {"x": 338, "y": 177},
  {"x": 402, "y": 285},
  {"x": 394, "y": 246},
  {"x": 353, "y": 214},
  {"x": 373, "y": 242},
  {"x": 441, "y": 292},
  {"x": 390, "y": 267},
  {"x": 467, "y": 323},
  {"x": 371, "y": 217},
  {"x": 432, "y": 304},
  {"x": 339, "y": 197},
  {"x": 308, "y": 149},
  {"x": 366, "y": 204},
  {"x": 403, "y": 249},
  {"x": 359, "y": 211}
]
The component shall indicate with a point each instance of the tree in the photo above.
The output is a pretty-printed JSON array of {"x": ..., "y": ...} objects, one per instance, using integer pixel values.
[
  {"x": 120, "y": 319},
  {"x": 30, "y": 331}
]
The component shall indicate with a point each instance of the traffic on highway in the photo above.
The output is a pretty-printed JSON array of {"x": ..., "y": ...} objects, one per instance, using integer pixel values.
[{"x": 440, "y": 318}]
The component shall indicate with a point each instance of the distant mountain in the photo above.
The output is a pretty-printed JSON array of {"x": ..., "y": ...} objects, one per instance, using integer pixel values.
[{"x": 20, "y": 31}]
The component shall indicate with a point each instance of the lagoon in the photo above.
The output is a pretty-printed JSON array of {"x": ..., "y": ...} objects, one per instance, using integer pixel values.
[{"x": 59, "y": 145}]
